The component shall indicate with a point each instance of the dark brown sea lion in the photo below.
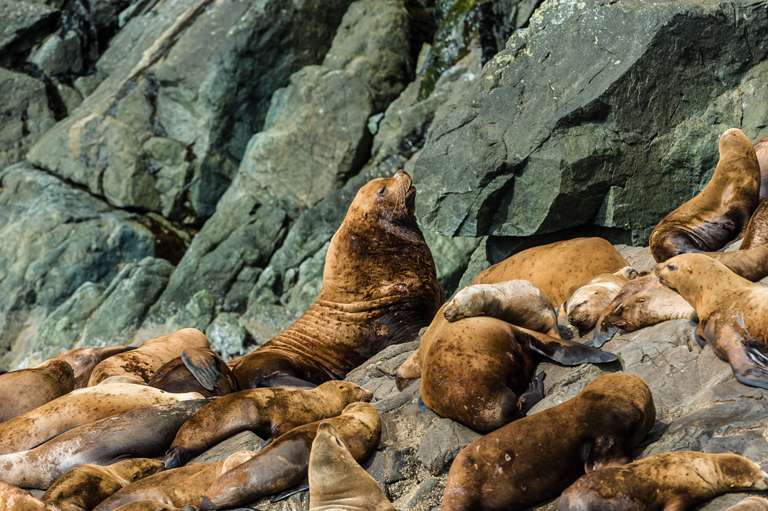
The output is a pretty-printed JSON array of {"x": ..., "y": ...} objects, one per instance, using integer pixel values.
[
  {"x": 284, "y": 463},
  {"x": 478, "y": 371},
  {"x": 84, "y": 360},
  {"x": 196, "y": 370},
  {"x": 557, "y": 267},
  {"x": 13, "y": 498},
  {"x": 379, "y": 289},
  {"x": 750, "y": 504},
  {"x": 537, "y": 457},
  {"x": 587, "y": 301},
  {"x": 268, "y": 412},
  {"x": 676, "y": 481},
  {"x": 721, "y": 211},
  {"x": 24, "y": 390}
]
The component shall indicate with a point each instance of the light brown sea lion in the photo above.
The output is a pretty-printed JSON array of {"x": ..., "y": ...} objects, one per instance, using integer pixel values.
[
  {"x": 650, "y": 307},
  {"x": 179, "y": 487},
  {"x": 587, "y": 301},
  {"x": 336, "y": 480},
  {"x": 145, "y": 360},
  {"x": 605, "y": 328},
  {"x": 676, "y": 481},
  {"x": 13, "y": 498},
  {"x": 142, "y": 433},
  {"x": 268, "y": 412},
  {"x": 283, "y": 464},
  {"x": 478, "y": 371},
  {"x": 733, "y": 312},
  {"x": 379, "y": 288},
  {"x": 84, "y": 360},
  {"x": 557, "y": 267},
  {"x": 515, "y": 301},
  {"x": 24, "y": 390},
  {"x": 537, "y": 457},
  {"x": 147, "y": 505},
  {"x": 79, "y": 407},
  {"x": 196, "y": 370},
  {"x": 86, "y": 486},
  {"x": 761, "y": 151},
  {"x": 750, "y": 504},
  {"x": 721, "y": 211}
]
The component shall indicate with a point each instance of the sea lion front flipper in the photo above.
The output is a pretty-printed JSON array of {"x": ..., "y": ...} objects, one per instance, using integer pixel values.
[
  {"x": 699, "y": 335},
  {"x": 303, "y": 486},
  {"x": 409, "y": 371},
  {"x": 600, "y": 337},
  {"x": 750, "y": 366},
  {"x": 201, "y": 362},
  {"x": 565, "y": 352}
]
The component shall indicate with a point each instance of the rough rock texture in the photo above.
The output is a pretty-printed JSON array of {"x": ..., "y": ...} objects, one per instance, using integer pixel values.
[{"x": 24, "y": 24}]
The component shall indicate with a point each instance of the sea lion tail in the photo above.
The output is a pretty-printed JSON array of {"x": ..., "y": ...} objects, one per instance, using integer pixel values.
[{"x": 563, "y": 351}]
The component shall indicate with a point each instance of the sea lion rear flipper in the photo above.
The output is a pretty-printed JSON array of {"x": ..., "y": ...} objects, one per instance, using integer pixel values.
[
  {"x": 533, "y": 395},
  {"x": 563, "y": 351},
  {"x": 750, "y": 366},
  {"x": 201, "y": 362},
  {"x": 303, "y": 486}
]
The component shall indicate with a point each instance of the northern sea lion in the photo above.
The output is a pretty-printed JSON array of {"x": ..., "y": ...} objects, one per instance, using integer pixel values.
[
  {"x": 84, "y": 360},
  {"x": 284, "y": 463},
  {"x": 750, "y": 504},
  {"x": 268, "y": 412},
  {"x": 147, "y": 505},
  {"x": 144, "y": 361},
  {"x": 13, "y": 498},
  {"x": 676, "y": 480},
  {"x": 86, "y": 486},
  {"x": 721, "y": 211},
  {"x": 142, "y": 433},
  {"x": 196, "y": 370},
  {"x": 24, "y": 390},
  {"x": 650, "y": 307},
  {"x": 557, "y": 267},
  {"x": 537, "y": 457},
  {"x": 79, "y": 407},
  {"x": 587, "y": 301},
  {"x": 379, "y": 288},
  {"x": 757, "y": 228},
  {"x": 761, "y": 151},
  {"x": 336, "y": 480}
]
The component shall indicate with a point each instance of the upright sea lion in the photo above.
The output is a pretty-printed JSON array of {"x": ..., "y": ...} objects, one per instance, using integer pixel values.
[
  {"x": 284, "y": 463},
  {"x": 557, "y": 267},
  {"x": 336, "y": 480},
  {"x": 145, "y": 360},
  {"x": 761, "y": 151},
  {"x": 721, "y": 211},
  {"x": 24, "y": 390},
  {"x": 268, "y": 412},
  {"x": 379, "y": 288},
  {"x": 13, "y": 498},
  {"x": 587, "y": 301},
  {"x": 84, "y": 360},
  {"x": 196, "y": 370},
  {"x": 750, "y": 504},
  {"x": 676, "y": 480},
  {"x": 537, "y": 457}
]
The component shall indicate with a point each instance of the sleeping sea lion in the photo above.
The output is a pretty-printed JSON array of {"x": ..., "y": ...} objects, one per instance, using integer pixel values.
[
  {"x": 13, "y": 498},
  {"x": 84, "y": 360},
  {"x": 197, "y": 370},
  {"x": 587, "y": 301},
  {"x": 24, "y": 390},
  {"x": 650, "y": 307}
]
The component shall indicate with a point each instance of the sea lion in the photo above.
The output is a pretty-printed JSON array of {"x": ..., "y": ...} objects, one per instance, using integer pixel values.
[
  {"x": 761, "y": 152},
  {"x": 268, "y": 412},
  {"x": 147, "y": 505},
  {"x": 13, "y": 498},
  {"x": 557, "y": 267},
  {"x": 587, "y": 301},
  {"x": 142, "y": 433},
  {"x": 757, "y": 229},
  {"x": 84, "y": 360},
  {"x": 145, "y": 360},
  {"x": 676, "y": 480},
  {"x": 86, "y": 486},
  {"x": 604, "y": 328},
  {"x": 650, "y": 307},
  {"x": 478, "y": 371},
  {"x": 721, "y": 211},
  {"x": 537, "y": 457},
  {"x": 732, "y": 312},
  {"x": 283, "y": 464},
  {"x": 750, "y": 504},
  {"x": 379, "y": 288},
  {"x": 79, "y": 407},
  {"x": 24, "y": 390},
  {"x": 336, "y": 480},
  {"x": 196, "y": 370},
  {"x": 515, "y": 301}
]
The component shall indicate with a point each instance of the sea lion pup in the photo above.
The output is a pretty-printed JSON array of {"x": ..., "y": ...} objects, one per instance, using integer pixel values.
[
  {"x": 144, "y": 361},
  {"x": 650, "y": 307},
  {"x": 750, "y": 504},
  {"x": 557, "y": 267},
  {"x": 141, "y": 433},
  {"x": 379, "y": 288},
  {"x": 83, "y": 488},
  {"x": 84, "y": 360},
  {"x": 537, "y": 457},
  {"x": 732, "y": 312},
  {"x": 24, "y": 390},
  {"x": 79, "y": 407},
  {"x": 587, "y": 301},
  {"x": 479, "y": 371},
  {"x": 283, "y": 464},
  {"x": 721, "y": 211},
  {"x": 196, "y": 370},
  {"x": 676, "y": 480},
  {"x": 13, "y": 498},
  {"x": 268, "y": 412},
  {"x": 183, "y": 486},
  {"x": 337, "y": 481},
  {"x": 515, "y": 301}
]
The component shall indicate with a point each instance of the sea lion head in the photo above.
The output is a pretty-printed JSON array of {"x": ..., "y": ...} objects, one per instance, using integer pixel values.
[
  {"x": 348, "y": 391},
  {"x": 586, "y": 304},
  {"x": 467, "y": 303},
  {"x": 679, "y": 272},
  {"x": 736, "y": 473},
  {"x": 139, "y": 468},
  {"x": 328, "y": 448},
  {"x": 734, "y": 140},
  {"x": 385, "y": 203}
]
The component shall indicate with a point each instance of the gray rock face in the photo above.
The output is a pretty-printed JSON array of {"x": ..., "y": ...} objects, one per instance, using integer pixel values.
[{"x": 24, "y": 24}]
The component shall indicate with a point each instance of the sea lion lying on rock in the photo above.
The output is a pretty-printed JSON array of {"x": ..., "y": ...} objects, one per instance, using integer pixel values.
[
  {"x": 24, "y": 390},
  {"x": 650, "y": 307},
  {"x": 13, "y": 498},
  {"x": 197, "y": 370},
  {"x": 85, "y": 360},
  {"x": 587, "y": 301}
]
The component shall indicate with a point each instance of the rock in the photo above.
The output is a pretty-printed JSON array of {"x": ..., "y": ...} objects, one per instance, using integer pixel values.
[
  {"x": 227, "y": 336},
  {"x": 87, "y": 84},
  {"x": 442, "y": 442},
  {"x": 59, "y": 54},
  {"x": 451, "y": 256},
  {"x": 25, "y": 23},
  {"x": 198, "y": 313}
]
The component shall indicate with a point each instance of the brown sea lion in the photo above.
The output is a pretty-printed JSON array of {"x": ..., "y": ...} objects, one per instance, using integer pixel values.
[
  {"x": 750, "y": 504},
  {"x": 196, "y": 370},
  {"x": 79, "y": 407},
  {"x": 757, "y": 229},
  {"x": 336, "y": 480},
  {"x": 587, "y": 301},
  {"x": 721, "y": 211},
  {"x": 761, "y": 151},
  {"x": 268, "y": 412},
  {"x": 478, "y": 371},
  {"x": 145, "y": 360},
  {"x": 84, "y": 360},
  {"x": 650, "y": 307},
  {"x": 379, "y": 288},
  {"x": 733, "y": 312},
  {"x": 557, "y": 267},
  {"x": 284, "y": 463},
  {"x": 676, "y": 480},
  {"x": 142, "y": 433},
  {"x": 515, "y": 301},
  {"x": 13, "y": 498},
  {"x": 604, "y": 328},
  {"x": 147, "y": 505},
  {"x": 537, "y": 457},
  {"x": 24, "y": 390},
  {"x": 86, "y": 486}
]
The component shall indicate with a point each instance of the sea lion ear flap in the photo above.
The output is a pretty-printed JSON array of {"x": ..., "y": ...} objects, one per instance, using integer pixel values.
[
  {"x": 568, "y": 353},
  {"x": 201, "y": 363}
]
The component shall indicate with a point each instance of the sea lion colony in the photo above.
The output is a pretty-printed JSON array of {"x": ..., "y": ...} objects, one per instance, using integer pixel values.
[{"x": 88, "y": 447}]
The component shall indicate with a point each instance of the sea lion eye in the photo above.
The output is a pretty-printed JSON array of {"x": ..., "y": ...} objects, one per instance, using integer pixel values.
[
  {"x": 383, "y": 191},
  {"x": 365, "y": 216},
  {"x": 672, "y": 267}
]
